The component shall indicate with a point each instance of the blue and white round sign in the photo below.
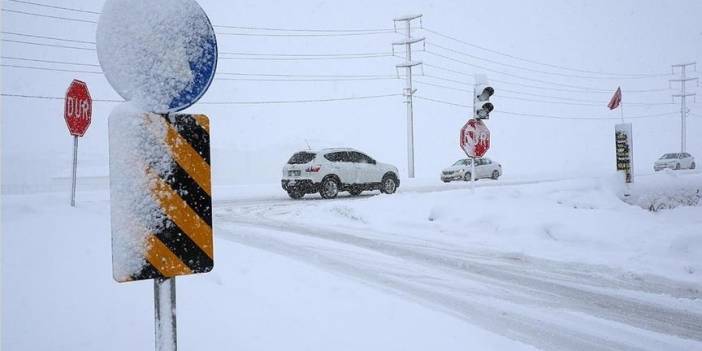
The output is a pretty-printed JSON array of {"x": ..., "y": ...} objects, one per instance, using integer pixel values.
[{"x": 159, "y": 54}]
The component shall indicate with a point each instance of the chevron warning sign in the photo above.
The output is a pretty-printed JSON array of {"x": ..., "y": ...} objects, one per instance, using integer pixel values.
[{"x": 161, "y": 195}]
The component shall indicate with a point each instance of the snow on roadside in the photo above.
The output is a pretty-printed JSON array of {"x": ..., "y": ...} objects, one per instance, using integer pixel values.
[
  {"x": 666, "y": 190},
  {"x": 58, "y": 294},
  {"x": 574, "y": 221}
]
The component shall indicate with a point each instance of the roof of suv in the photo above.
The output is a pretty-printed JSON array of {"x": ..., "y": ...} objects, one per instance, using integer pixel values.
[{"x": 331, "y": 149}]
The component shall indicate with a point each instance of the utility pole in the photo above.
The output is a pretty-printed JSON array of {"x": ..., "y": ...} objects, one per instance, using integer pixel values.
[
  {"x": 408, "y": 91},
  {"x": 683, "y": 95}
]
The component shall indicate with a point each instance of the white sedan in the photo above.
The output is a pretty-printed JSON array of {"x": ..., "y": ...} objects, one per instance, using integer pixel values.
[
  {"x": 681, "y": 160},
  {"x": 484, "y": 168}
]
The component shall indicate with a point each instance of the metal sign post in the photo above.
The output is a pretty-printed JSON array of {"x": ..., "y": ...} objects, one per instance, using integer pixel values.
[
  {"x": 75, "y": 170},
  {"x": 78, "y": 111},
  {"x": 472, "y": 174},
  {"x": 165, "y": 314}
]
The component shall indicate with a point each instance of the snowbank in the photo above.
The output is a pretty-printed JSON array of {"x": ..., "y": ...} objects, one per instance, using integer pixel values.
[
  {"x": 666, "y": 190},
  {"x": 574, "y": 221}
]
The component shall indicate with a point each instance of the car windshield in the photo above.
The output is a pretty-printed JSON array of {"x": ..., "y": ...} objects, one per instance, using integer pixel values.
[
  {"x": 669, "y": 156},
  {"x": 301, "y": 158},
  {"x": 461, "y": 163}
]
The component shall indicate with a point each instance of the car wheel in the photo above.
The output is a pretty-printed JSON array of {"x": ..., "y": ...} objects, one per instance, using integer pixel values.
[
  {"x": 466, "y": 177},
  {"x": 692, "y": 165},
  {"x": 330, "y": 188},
  {"x": 295, "y": 194},
  {"x": 389, "y": 185},
  {"x": 445, "y": 180},
  {"x": 355, "y": 191},
  {"x": 677, "y": 166},
  {"x": 495, "y": 175}
]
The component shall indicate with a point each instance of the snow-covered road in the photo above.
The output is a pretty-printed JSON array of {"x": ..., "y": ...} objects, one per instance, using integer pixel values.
[{"x": 550, "y": 304}]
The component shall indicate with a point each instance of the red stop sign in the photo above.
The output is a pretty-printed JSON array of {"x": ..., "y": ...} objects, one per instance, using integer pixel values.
[
  {"x": 78, "y": 108},
  {"x": 475, "y": 138}
]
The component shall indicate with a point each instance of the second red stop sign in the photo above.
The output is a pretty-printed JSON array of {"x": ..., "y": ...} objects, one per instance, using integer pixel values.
[{"x": 475, "y": 138}]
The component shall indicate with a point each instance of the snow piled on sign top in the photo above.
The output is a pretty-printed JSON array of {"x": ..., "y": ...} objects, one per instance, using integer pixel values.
[
  {"x": 150, "y": 49},
  {"x": 138, "y": 154}
]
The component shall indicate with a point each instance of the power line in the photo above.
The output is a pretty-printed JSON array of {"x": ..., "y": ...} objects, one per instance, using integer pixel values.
[
  {"x": 259, "y": 56},
  {"x": 49, "y": 69},
  {"x": 49, "y": 16},
  {"x": 648, "y": 76},
  {"x": 331, "y": 34},
  {"x": 314, "y": 78},
  {"x": 49, "y": 45},
  {"x": 48, "y": 37},
  {"x": 309, "y": 75},
  {"x": 525, "y": 59},
  {"x": 579, "y": 87},
  {"x": 307, "y": 55},
  {"x": 300, "y": 101},
  {"x": 235, "y": 74},
  {"x": 329, "y": 79},
  {"x": 531, "y": 86},
  {"x": 501, "y": 96},
  {"x": 305, "y": 58},
  {"x": 577, "y": 102},
  {"x": 544, "y": 116},
  {"x": 306, "y": 79},
  {"x": 306, "y": 30},
  {"x": 229, "y": 26},
  {"x": 54, "y": 7},
  {"x": 307, "y": 35},
  {"x": 38, "y": 97},
  {"x": 49, "y": 61},
  {"x": 227, "y": 102}
]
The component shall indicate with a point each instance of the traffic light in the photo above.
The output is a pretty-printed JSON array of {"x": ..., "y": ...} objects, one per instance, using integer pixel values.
[{"x": 481, "y": 99}]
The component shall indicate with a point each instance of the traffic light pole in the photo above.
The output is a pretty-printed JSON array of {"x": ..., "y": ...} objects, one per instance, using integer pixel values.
[
  {"x": 409, "y": 90},
  {"x": 683, "y": 103}
]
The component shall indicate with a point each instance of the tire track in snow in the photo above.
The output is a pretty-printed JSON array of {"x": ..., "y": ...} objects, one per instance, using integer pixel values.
[{"x": 545, "y": 293}]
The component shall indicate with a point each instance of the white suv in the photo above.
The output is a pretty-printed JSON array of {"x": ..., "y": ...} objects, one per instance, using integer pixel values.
[
  {"x": 484, "y": 168},
  {"x": 329, "y": 171},
  {"x": 681, "y": 160}
]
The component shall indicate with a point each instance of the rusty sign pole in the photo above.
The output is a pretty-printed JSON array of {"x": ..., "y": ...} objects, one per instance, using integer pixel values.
[{"x": 165, "y": 314}]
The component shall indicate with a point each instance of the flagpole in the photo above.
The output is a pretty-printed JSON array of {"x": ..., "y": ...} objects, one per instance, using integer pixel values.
[
  {"x": 621, "y": 109},
  {"x": 621, "y": 104}
]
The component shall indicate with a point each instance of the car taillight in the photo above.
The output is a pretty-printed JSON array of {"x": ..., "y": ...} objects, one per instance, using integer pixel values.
[{"x": 313, "y": 169}]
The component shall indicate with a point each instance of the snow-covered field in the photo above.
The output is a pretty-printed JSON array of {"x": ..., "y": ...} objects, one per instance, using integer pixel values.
[{"x": 511, "y": 265}]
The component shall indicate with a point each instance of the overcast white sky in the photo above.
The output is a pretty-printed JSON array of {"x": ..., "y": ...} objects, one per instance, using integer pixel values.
[{"x": 251, "y": 142}]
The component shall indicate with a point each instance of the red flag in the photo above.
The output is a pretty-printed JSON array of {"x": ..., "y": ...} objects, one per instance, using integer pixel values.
[{"x": 616, "y": 99}]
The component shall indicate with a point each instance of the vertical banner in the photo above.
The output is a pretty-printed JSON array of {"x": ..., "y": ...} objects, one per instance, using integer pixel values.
[{"x": 624, "y": 150}]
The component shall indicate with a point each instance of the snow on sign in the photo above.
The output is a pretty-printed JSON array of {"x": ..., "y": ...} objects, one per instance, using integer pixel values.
[
  {"x": 78, "y": 109},
  {"x": 475, "y": 138},
  {"x": 161, "y": 194},
  {"x": 159, "y": 54}
]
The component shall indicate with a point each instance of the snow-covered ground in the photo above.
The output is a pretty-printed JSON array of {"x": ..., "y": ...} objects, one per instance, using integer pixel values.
[{"x": 512, "y": 265}]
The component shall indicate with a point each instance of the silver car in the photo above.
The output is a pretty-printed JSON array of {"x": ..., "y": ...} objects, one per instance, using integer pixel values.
[
  {"x": 680, "y": 160},
  {"x": 460, "y": 170}
]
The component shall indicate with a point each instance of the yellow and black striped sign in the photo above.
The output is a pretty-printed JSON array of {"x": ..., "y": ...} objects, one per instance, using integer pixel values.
[{"x": 180, "y": 242}]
